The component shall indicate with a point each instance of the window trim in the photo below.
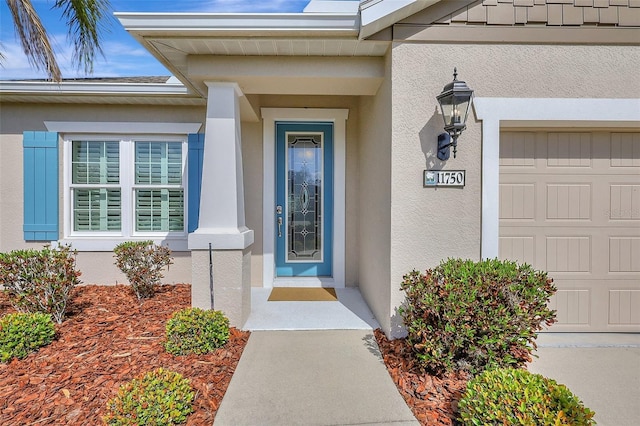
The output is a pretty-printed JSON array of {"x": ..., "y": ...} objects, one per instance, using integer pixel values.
[{"x": 105, "y": 240}]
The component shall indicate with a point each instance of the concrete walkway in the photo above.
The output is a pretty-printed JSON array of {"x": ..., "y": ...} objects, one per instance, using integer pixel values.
[
  {"x": 602, "y": 369},
  {"x": 328, "y": 377}
]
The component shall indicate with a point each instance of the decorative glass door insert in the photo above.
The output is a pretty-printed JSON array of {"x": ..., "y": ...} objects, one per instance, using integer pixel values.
[{"x": 304, "y": 153}]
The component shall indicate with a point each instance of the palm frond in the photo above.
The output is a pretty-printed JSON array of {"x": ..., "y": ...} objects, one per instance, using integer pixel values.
[
  {"x": 34, "y": 38},
  {"x": 86, "y": 20}
]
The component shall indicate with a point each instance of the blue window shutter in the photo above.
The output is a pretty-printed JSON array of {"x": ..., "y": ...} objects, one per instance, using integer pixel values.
[
  {"x": 194, "y": 159},
  {"x": 40, "y": 157}
]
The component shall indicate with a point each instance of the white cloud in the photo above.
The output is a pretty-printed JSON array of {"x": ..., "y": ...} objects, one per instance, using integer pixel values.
[{"x": 120, "y": 60}]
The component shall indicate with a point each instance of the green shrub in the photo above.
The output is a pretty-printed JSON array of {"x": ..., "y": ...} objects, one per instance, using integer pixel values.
[
  {"x": 193, "y": 330},
  {"x": 159, "y": 397},
  {"x": 471, "y": 316},
  {"x": 21, "y": 334},
  {"x": 516, "y": 397},
  {"x": 142, "y": 263},
  {"x": 40, "y": 280}
]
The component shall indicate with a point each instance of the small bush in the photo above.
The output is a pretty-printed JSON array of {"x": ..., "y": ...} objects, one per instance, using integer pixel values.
[
  {"x": 159, "y": 397},
  {"x": 516, "y": 397},
  {"x": 40, "y": 281},
  {"x": 21, "y": 334},
  {"x": 193, "y": 330},
  {"x": 142, "y": 263},
  {"x": 471, "y": 316}
]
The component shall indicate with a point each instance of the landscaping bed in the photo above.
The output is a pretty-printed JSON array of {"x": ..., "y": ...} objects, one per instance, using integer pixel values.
[
  {"x": 107, "y": 339},
  {"x": 433, "y": 400}
]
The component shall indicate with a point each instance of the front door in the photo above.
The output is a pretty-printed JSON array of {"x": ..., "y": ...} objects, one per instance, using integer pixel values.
[{"x": 304, "y": 199}]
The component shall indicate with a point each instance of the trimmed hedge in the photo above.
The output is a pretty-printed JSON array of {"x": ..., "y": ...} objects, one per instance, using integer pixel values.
[
  {"x": 159, "y": 397},
  {"x": 23, "y": 333},
  {"x": 472, "y": 316},
  {"x": 194, "y": 330},
  {"x": 142, "y": 263},
  {"x": 40, "y": 280},
  {"x": 516, "y": 397}
]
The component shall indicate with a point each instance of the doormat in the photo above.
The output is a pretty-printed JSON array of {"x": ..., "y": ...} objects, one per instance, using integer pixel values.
[{"x": 302, "y": 294}]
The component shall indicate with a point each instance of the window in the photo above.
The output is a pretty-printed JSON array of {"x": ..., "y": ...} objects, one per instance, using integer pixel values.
[
  {"x": 126, "y": 187},
  {"x": 158, "y": 189},
  {"x": 95, "y": 185}
]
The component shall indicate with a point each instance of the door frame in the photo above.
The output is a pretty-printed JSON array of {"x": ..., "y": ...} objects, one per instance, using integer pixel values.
[{"x": 338, "y": 117}]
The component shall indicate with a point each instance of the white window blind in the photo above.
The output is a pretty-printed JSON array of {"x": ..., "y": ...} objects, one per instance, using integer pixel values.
[
  {"x": 95, "y": 176},
  {"x": 159, "y": 197}
]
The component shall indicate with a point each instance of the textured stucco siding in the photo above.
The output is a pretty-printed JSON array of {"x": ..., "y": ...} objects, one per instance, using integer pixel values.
[
  {"x": 375, "y": 200},
  {"x": 429, "y": 225}
]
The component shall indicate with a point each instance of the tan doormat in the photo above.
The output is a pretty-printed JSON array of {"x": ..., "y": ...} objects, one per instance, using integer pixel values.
[{"x": 302, "y": 294}]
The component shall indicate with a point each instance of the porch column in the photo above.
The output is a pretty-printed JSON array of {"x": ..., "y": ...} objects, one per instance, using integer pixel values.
[{"x": 222, "y": 220}]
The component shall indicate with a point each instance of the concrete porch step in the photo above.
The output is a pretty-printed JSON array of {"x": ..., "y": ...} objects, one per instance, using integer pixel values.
[{"x": 350, "y": 312}]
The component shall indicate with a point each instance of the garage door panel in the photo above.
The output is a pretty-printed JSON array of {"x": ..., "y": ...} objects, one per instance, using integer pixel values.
[
  {"x": 572, "y": 208},
  {"x": 568, "y": 254},
  {"x": 517, "y": 201},
  {"x": 624, "y": 254},
  {"x": 625, "y": 150},
  {"x": 519, "y": 150},
  {"x": 572, "y": 306},
  {"x": 521, "y": 249},
  {"x": 569, "y": 201},
  {"x": 569, "y": 150},
  {"x": 624, "y": 202},
  {"x": 624, "y": 307}
]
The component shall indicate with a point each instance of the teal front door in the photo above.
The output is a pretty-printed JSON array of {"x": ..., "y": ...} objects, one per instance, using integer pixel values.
[{"x": 304, "y": 199}]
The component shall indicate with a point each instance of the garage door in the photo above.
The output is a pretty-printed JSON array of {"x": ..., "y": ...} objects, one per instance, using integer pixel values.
[{"x": 570, "y": 205}]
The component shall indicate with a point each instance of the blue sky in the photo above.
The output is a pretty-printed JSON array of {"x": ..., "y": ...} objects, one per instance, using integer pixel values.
[{"x": 123, "y": 55}]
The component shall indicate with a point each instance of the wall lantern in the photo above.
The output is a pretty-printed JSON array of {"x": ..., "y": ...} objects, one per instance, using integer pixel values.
[{"x": 454, "y": 102}]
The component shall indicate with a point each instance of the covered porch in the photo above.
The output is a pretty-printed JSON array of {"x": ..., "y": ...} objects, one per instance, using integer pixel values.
[{"x": 258, "y": 72}]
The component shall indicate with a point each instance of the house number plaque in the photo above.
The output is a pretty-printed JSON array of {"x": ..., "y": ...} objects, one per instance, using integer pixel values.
[{"x": 433, "y": 178}]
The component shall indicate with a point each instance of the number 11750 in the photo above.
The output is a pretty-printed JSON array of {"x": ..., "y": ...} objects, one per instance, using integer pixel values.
[{"x": 444, "y": 178}]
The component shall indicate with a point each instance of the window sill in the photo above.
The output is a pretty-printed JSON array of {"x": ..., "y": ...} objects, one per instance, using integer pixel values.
[{"x": 108, "y": 244}]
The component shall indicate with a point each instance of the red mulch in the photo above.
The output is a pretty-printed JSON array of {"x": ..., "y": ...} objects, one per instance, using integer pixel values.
[
  {"x": 108, "y": 339},
  {"x": 433, "y": 400}
]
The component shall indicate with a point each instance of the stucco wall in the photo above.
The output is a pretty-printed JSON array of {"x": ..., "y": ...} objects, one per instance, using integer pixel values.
[
  {"x": 252, "y": 148},
  {"x": 429, "y": 225},
  {"x": 96, "y": 267},
  {"x": 375, "y": 199}
]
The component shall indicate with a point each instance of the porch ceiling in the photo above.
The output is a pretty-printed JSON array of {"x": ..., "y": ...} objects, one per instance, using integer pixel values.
[{"x": 181, "y": 40}]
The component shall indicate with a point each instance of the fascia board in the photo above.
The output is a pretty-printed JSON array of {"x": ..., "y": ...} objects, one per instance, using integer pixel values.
[
  {"x": 125, "y": 89},
  {"x": 237, "y": 24},
  {"x": 376, "y": 16}
]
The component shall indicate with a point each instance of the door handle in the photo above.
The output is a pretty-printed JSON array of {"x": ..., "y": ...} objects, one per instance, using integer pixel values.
[{"x": 279, "y": 226}]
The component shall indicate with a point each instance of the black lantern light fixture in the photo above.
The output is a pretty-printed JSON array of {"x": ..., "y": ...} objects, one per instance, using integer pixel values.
[{"x": 454, "y": 102}]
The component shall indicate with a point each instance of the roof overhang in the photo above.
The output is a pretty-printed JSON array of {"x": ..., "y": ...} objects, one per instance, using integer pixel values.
[
  {"x": 241, "y": 24},
  {"x": 179, "y": 40},
  {"x": 189, "y": 44},
  {"x": 98, "y": 92},
  {"x": 376, "y": 15}
]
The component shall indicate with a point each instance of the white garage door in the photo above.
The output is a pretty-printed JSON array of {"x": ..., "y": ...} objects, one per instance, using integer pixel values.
[{"x": 570, "y": 205}]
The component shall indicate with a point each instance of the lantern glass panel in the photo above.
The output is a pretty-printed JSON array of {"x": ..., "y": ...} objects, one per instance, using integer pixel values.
[{"x": 447, "y": 106}]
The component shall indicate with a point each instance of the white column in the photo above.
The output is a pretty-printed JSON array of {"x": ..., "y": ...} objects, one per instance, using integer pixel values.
[{"x": 221, "y": 220}]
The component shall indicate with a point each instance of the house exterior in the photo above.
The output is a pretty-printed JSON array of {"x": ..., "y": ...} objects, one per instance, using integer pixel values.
[{"x": 294, "y": 146}]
